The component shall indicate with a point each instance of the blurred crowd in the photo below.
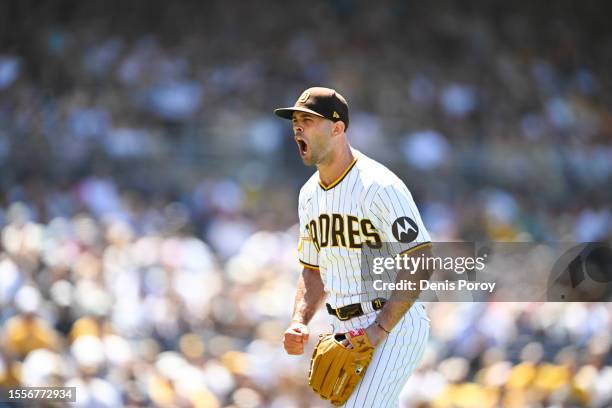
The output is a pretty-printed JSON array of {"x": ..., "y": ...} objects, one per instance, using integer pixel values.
[
  {"x": 148, "y": 195},
  {"x": 140, "y": 318},
  {"x": 146, "y": 318},
  {"x": 496, "y": 116}
]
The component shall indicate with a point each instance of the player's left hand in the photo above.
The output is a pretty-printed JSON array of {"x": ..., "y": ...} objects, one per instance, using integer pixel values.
[{"x": 375, "y": 334}]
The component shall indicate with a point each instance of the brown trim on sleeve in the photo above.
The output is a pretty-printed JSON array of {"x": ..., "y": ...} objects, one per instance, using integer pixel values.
[
  {"x": 414, "y": 248},
  {"x": 307, "y": 265}
]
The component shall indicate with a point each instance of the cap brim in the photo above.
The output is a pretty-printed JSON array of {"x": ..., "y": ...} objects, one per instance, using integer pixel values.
[{"x": 287, "y": 113}]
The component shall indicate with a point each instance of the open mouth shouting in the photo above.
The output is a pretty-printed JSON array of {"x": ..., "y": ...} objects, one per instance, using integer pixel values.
[{"x": 302, "y": 146}]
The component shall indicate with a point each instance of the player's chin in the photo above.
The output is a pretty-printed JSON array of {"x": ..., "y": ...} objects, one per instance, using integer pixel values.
[{"x": 308, "y": 160}]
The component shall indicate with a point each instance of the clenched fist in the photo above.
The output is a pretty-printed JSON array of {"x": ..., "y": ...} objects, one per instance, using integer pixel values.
[{"x": 295, "y": 337}]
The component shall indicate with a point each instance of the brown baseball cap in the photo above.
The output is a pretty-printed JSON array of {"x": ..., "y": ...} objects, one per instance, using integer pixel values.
[{"x": 323, "y": 102}]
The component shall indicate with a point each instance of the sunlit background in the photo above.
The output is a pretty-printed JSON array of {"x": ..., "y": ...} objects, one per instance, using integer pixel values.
[{"x": 148, "y": 196}]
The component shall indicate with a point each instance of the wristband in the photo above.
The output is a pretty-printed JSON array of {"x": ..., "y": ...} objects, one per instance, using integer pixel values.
[{"x": 380, "y": 325}]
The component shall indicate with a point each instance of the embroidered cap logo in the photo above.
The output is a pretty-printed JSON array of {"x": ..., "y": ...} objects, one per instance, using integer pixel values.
[{"x": 304, "y": 97}]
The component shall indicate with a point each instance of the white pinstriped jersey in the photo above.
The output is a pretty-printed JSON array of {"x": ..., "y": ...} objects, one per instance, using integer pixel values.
[{"x": 366, "y": 205}]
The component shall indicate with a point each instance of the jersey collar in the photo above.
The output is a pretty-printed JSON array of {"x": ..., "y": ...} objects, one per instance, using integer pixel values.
[{"x": 342, "y": 176}]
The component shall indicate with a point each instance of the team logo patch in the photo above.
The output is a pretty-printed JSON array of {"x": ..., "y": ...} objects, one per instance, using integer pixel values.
[
  {"x": 304, "y": 97},
  {"x": 405, "y": 230}
]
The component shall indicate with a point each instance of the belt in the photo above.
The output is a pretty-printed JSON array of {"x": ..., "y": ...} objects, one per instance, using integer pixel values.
[{"x": 356, "y": 309}]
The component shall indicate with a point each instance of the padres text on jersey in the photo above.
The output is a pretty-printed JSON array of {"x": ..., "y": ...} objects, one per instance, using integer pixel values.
[{"x": 368, "y": 205}]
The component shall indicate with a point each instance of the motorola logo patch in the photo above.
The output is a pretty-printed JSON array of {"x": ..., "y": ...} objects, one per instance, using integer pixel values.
[{"x": 405, "y": 229}]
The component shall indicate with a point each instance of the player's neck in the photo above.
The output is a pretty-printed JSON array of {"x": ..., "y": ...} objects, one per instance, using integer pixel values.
[{"x": 336, "y": 165}]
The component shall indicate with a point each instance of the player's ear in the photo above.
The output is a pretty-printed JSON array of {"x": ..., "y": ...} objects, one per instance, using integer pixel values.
[{"x": 338, "y": 128}]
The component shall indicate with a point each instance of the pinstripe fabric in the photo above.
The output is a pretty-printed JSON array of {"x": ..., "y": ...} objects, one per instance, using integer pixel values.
[
  {"x": 367, "y": 191},
  {"x": 394, "y": 359}
]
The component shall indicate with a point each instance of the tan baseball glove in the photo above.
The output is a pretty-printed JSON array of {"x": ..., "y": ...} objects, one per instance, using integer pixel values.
[{"x": 335, "y": 369}]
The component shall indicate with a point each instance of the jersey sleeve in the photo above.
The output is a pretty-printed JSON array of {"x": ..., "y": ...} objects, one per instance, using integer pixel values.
[
  {"x": 308, "y": 254},
  {"x": 396, "y": 217}
]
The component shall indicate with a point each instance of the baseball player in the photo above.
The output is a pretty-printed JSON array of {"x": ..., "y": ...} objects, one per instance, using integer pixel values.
[{"x": 352, "y": 202}]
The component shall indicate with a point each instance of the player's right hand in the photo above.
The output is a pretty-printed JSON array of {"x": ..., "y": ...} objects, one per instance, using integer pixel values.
[{"x": 295, "y": 338}]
